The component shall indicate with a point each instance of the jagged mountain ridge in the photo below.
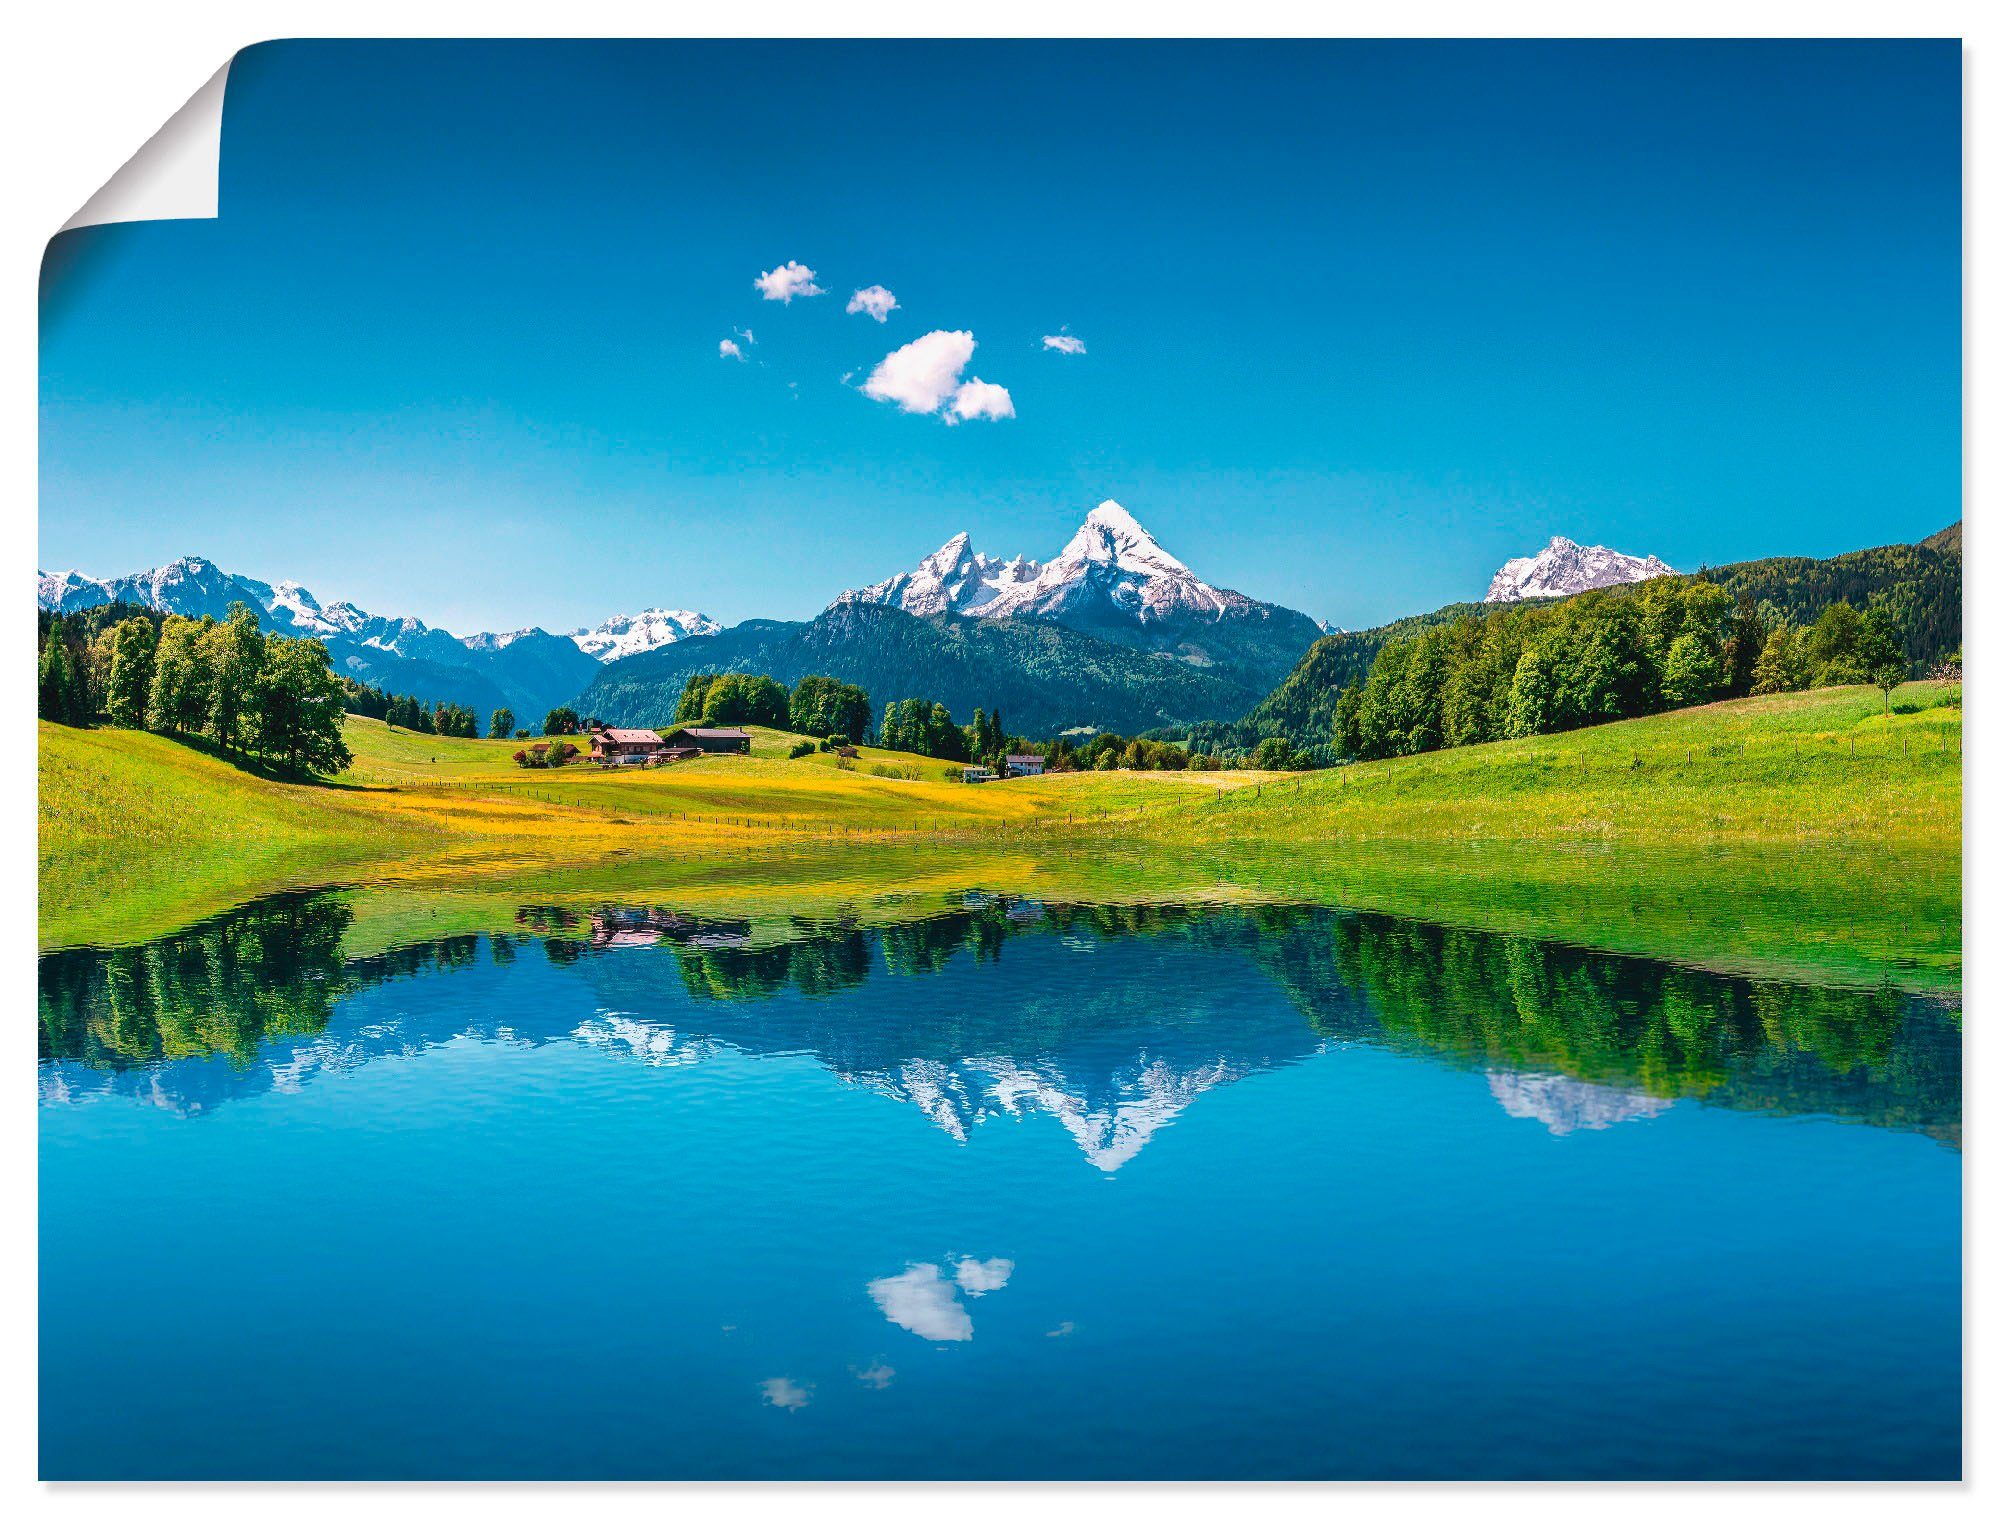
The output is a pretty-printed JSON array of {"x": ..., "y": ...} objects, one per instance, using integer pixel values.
[
  {"x": 1042, "y": 677},
  {"x": 1115, "y": 582},
  {"x": 1566, "y": 567},
  {"x": 529, "y": 670}
]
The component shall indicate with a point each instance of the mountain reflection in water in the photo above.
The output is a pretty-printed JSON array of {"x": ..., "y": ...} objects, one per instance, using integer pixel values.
[{"x": 1112, "y": 1021}]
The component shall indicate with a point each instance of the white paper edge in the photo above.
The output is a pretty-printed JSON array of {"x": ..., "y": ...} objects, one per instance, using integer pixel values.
[{"x": 176, "y": 176}]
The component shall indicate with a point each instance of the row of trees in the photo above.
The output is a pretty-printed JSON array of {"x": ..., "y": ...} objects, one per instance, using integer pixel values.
[
  {"x": 229, "y": 682},
  {"x": 1551, "y": 667},
  {"x": 449, "y": 719},
  {"x": 818, "y": 704}
]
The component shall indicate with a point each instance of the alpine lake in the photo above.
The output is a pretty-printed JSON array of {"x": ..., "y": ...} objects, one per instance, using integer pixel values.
[{"x": 990, "y": 1185}]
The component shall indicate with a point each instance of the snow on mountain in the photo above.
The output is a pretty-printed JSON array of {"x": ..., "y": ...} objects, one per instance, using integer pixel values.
[
  {"x": 954, "y": 579},
  {"x": 1563, "y": 1104},
  {"x": 1566, "y": 567},
  {"x": 654, "y": 628},
  {"x": 195, "y": 587},
  {"x": 1112, "y": 564},
  {"x": 1115, "y": 564}
]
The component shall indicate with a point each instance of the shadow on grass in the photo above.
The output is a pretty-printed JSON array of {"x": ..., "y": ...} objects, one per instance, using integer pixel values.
[{"x": 251, "y": 764}]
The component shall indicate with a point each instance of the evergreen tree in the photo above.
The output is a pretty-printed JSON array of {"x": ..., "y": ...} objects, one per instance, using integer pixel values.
[
  {"x": 57, "y": 694},
  {"x": 1744, "y": 646}
]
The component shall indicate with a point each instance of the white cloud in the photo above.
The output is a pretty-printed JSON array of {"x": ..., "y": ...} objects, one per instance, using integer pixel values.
[
  {"x": 745, "y": 333},
  {"x": 876, "y": 1375},
  {"x": 923, "y": 376},
  {"x": 875, "y": 300},
  {"x": 783, "y": 1392},
  {"x": 984, "y": 1276},
  {"x": 787, "y": 280},
  {"x": 976, "y": 398},
  {"x": 728, "y": 349},
  {"x": 923, "y": 1302},
  {"x": 1062, "y": 342}
]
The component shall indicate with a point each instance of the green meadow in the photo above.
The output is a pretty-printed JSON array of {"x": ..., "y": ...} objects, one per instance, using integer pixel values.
[{"x": 1810, "y": 834}]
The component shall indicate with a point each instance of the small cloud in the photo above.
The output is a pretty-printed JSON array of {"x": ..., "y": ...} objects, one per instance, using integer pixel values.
[
  {"x": 787, "y": 280},
  {"x": 1062, "y": 342},
  {"x": 976, "y": 398},
  {"x": 783, "y": 1392},
  {"x": 922, "y": 1301},
  {"x": 1062, "y": 1329},
  {"x": 745, "y": 333},
  {"x": 875, "y": 1375},
  {"x": 977, "y": 1277},
  {"x": 729, "y": 350},
  {"x": 874, "y": 300}
]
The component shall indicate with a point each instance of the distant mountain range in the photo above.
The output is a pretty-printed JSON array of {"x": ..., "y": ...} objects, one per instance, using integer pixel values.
[
  {"x": 1112, "y": 633},
  {"x": 529, "y": 670},
  {"x": 1566, "y": 567}
]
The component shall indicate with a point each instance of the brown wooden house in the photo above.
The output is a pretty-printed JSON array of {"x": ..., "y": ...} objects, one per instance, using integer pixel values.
[
  {"x": 710, "y": 740},
  {"x": 625, "y": 746}
]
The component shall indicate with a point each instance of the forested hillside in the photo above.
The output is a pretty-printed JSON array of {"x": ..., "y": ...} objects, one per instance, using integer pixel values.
[
  {"x": 1043, "y": 678},
  {"x": 1917, "y": 585}
]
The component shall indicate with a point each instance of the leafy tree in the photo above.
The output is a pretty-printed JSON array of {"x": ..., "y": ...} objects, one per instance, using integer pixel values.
[
  {"x": 130, "y": 682},
  {"x": 734, "y": 699},
  {"x": 1834, "y": 647},
  {"x": 298, "y": 707},
  {"x": 1693, "y": 674},
  {"x": 1275, "y": 754},
  {"x": 502, "y": 722},
  {"x": 694, "y": 695},
  {"x": 1879, "y": 653},
  {"x": 822, "y": 706},
  {"x": 1532, "y": 699},
  {"x": 1784, "y": 664},
  {"x": 233, "y": 651},
  {"x": 560, "y": 721},
  {"x": 181, "y": 677}
]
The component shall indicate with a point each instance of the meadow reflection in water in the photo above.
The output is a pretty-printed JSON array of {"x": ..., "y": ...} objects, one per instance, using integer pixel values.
[
  {"x": 1574, "y": 1039},
  {"x": 1016, "y": 1189}
]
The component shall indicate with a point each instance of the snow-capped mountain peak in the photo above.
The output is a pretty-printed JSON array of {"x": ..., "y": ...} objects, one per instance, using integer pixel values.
[
  {"x": 1566, "y": 567},
  {"x": 1113, "y": 564},
  {"x": 1110, "y": 566},
  {"x": 954, "y": 578},
  {"x": 654, "y": 628}
]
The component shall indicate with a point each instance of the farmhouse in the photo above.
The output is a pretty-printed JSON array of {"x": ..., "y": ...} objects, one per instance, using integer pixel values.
[
  {"x": 625, "y": 746},
  {"x": 711, "y": 740},
  {"x": 978, "y": 775},
  {"x": 1023, "y": 764}
]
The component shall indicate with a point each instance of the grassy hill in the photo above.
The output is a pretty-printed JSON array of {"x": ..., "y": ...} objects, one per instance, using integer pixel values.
[
  {"x": 1919, "y": 585},
  {"x": 1807, "y": 829}
]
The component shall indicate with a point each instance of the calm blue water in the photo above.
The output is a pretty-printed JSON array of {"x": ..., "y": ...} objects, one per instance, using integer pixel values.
[{"x": 1020, "y": 1191}]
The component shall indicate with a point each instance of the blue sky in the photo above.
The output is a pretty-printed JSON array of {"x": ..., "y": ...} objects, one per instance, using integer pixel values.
[{"x": 1361, "y": 320}]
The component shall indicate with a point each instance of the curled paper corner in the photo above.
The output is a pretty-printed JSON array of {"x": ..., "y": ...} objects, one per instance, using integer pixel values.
[{"x": 175, "y": 176}]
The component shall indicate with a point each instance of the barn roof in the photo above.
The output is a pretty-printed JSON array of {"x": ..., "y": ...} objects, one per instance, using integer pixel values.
[
  {"x": 715, "y": 732},
  {"x": 630, "y": 735}
]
